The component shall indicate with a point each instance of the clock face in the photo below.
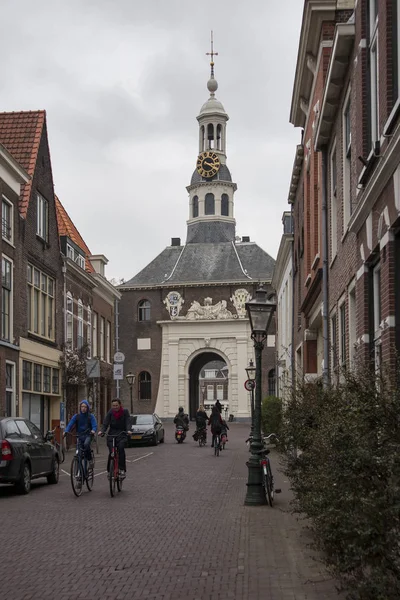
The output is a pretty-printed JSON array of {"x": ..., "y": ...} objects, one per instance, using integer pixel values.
[{"x": 208, "y": 164}]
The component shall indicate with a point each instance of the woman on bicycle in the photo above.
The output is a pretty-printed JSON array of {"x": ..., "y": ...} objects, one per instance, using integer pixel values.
[
  {"x": 117, "y": 422},
  {"x": 215, "y": 421},
  {"x": 85, "y": 424}
]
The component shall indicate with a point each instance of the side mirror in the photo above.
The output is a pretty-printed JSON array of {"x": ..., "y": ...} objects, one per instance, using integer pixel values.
[{"x": 49, "y": 436}]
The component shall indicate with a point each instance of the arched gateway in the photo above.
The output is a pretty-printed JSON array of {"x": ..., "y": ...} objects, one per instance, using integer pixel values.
[{"x": 208, "y": 382}]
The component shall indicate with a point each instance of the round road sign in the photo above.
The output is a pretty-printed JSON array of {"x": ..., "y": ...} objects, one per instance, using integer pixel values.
[{"x": 249, "y": 384}]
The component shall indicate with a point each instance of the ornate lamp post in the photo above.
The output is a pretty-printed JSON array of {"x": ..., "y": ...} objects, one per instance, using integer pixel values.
[
  {"x": 203, "y": 389},
  {"x": 130, "y": 378},
  {"x": 251, "y": 378},
  {"x": 260, "y": 310}
]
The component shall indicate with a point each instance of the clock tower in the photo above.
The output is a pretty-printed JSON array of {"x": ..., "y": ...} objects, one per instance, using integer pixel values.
[{"x": 211, "y": 190}]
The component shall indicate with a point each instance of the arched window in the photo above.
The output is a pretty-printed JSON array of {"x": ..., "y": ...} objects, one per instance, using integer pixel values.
[
  {"x": 144, "y": 310},
  {"x": 144, "y": 386},
  {"x": 202, "y": 134},
  {"x": 219, "y": 143},
  {"x": 69, "y": 334},
  {"x": 89, "y": 332},
  {"x": 210, "y": 135},
  {"x": 271, "y": 382},
  {"x": 209, "y": 205},
  {"x": 195, "y": 207},
  {"x": 225, "y": 205},
  {"x": 80, "y": 325}
]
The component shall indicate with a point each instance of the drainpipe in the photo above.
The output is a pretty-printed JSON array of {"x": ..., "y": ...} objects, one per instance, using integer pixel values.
[
  {"x": 293, "y": 375},
  {"x": 116, "y": 311},
  {"x": 325, "y": 293},
  {"x": 64, "y": 272}
]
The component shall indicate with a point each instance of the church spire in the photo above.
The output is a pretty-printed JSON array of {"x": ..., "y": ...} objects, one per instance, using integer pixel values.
[{"x": 212, "y": 84}]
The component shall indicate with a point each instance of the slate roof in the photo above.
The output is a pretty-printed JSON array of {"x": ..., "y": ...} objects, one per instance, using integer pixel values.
[
  {"x": 206, "y": 263},
  {"x": 20, "y": 133},
  {"x": 223, "y": 175},
  {"x": 66, "y": 227}
]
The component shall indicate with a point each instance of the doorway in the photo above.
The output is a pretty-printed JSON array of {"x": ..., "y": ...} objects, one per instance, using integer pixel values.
[{"x": 208, "y": 382}]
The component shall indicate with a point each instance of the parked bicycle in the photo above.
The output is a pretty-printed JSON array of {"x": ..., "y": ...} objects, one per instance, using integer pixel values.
[
  {"x": 51, "y": 436},
  {"x": 267, "y": 477},
  {"x": 82, "y": 470},
  {"x": 114, "y": 475}
]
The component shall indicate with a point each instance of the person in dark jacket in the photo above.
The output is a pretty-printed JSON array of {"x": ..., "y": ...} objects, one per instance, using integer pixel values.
[
  {"x": 215, "y": 421},
  {"x": 85, "y": 424},
  {"x": 117, "y": 422},
  {"x": 201, "y": 418},
  {"x": 219, "y": 406},
  {"x": 182, "y": 419}
]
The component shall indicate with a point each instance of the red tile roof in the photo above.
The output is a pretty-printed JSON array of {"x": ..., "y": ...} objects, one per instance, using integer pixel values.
[
  {"x": 66, "y": 227},
  {"x": 20, "y": 133}
]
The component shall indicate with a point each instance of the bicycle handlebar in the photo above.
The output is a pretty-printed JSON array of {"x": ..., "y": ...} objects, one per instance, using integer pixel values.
[
  {"x": 79, "y": 434},
  {"x": 101, "y": 433}
]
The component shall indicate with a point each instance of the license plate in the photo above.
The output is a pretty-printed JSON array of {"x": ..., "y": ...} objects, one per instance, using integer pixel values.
[{"x": 136, "y": 437}]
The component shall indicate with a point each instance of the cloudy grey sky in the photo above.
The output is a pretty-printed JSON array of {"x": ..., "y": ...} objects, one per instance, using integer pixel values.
[{"x": 122, "y": 82}]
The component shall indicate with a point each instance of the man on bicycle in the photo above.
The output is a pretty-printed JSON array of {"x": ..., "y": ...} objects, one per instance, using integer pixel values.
[
  {"x": 85, "y": 424},
  {"x": 117, "y": 422}
]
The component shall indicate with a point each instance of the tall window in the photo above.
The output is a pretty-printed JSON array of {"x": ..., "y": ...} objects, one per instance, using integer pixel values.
[
  {"x": 373, "y": 68},
  {"x": 209, "y": 208},
  {"x": 89, "y": 332},
  {"x": 144, "y": 310},
  {"x": 102, "y": 327},
  {"x": 42, "y": 223},
  {"x": 195, "y": 207},
  {"x": 80, "y": 324},
  {"x": 6, "y": 299},
  {"x": 26, "y": 375},
  {"x": 40, "y": 303},
  {"x": 94, "y": 336},
  {"x": 225, "y": 205},
  {"x": 347, "y": 209},
  {"x": 333, "y": 202},
  {"x": 7, "y": 220},
  {"x": 108, "y": 342},
  {"x": 377, "y": 314},
  {"x": 144, "y": 386},
  {"x": 70, "y": 320},
  {"x": 10, "y": 389},
  {"x": 271, "y": 382},
  {"x": 335, "y": 361},
  {"x": 352, "y": 324},
  {"x": 342, "y": 334}
]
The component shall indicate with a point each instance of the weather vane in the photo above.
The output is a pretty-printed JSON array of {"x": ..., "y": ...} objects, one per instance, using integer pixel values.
[{"x": 212, "y": 54}]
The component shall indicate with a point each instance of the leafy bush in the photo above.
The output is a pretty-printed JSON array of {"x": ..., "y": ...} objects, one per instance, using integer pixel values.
[
  {"x": 271, "y": 415},
  {"x": 345, "y": 477}
]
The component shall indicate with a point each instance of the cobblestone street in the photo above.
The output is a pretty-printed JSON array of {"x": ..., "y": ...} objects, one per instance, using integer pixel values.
[{"x": 179, "y": 529}]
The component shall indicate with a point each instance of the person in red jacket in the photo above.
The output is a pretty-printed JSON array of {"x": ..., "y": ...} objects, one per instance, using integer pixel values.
[{"x": 215, "y": 421}]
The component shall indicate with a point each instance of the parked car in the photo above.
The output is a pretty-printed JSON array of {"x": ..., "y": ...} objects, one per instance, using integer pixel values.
[
  {"x": 26, "y": 454},
  {"x": 147, "y": 429}
]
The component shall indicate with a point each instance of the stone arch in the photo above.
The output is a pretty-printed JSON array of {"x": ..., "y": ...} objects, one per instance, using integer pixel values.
[{"x": 194, "y": 364}]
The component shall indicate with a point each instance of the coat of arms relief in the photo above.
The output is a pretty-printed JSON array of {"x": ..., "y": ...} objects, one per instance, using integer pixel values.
[{"x": 208, "y": 311}]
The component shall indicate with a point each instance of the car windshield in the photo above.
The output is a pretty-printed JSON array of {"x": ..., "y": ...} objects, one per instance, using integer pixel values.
[{"x": 142, "y": 420}]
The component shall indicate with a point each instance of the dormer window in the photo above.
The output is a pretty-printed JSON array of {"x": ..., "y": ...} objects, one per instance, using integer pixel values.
[
  {"x": 225, "y": 205},
  {"x": 76, "y": 256}
]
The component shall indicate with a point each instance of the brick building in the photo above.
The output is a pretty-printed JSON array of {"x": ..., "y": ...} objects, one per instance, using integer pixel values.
[
  {"x": 345, "y": 191},
  {"x": 185, "y": 311}
]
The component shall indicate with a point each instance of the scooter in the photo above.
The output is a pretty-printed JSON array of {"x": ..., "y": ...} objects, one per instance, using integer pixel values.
[{"x": 180, "y": 434}]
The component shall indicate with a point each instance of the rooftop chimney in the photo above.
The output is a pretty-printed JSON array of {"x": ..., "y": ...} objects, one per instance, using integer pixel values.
[
  {"x": 245, "y": 238},
  {"x": 99, "y": 262},
  {"x": 175, "y": 241}
]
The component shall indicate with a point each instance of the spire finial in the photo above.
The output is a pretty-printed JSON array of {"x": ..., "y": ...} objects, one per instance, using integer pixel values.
[
  {"x": 212, "y": 84},
  {"x": 212, "y": 54}
]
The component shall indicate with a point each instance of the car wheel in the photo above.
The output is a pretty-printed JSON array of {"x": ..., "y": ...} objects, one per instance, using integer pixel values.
[
  {"x": 55, "y": 474},
  {"x": 163, "y": 438},
  {"x": 155, "y": 440},
  {"x": 24, "y": 484}
]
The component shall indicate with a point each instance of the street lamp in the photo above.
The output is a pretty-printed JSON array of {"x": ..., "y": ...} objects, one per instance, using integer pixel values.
[
  {"x": 130, "y": 378},
  {"x": 251, "y": 379},
  {"x": 260, "y": 310},
  {"x": 203, "y": 389}
]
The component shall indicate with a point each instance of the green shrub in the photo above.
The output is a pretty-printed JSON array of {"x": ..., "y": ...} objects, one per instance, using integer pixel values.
[
  {"x": 271, "y": 415},
  {"x": 345, "y": 477}
]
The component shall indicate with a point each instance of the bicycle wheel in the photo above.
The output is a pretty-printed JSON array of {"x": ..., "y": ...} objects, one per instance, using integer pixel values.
[
  {"x": 267, "y": 483},
  {"x": 76, "y": 477},
  {"x": 119, "y": 483},
  {"x": 90, "y": 473},
  {"x": 111, "y": 475},
  {"x": 62, "y": 457},
  {"x": 216, "y": 445}
]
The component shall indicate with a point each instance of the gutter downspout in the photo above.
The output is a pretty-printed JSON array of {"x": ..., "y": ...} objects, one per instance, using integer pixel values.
[
  {"x": 325, "y": 290},
  {"x": 116, "y": 325},
  {"x": 293, "y": 376}
]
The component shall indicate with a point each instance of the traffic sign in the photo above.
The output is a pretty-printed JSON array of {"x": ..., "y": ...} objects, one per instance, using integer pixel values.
[
  {"x": 118, "y": 371},
  {"x": 92, "y": 368},
  {"x": 249, "y": 384},
  {"x": 119, "y": 357},
  {"x": 62, "y": 415}
]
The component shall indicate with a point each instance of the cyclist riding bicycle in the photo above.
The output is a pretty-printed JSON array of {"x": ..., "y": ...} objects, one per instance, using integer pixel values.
[
  {"x": 84, "y": 422},
  {"x": 117, "y": 422},
  {"x": 215, "y": 421},
  {"x": 201, "y": 422}
]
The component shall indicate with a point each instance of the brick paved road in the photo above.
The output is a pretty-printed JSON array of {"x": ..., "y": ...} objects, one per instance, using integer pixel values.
[{"x": 179, "y": 529}]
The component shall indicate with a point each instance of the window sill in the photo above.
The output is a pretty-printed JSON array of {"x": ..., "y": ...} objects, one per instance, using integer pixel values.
[
  {"x": 315, "y": 262},
  {"x": 9, "y": 242},
  {"x": 43, "y": 241},
  {"x": 389, "y": 125},
  {"x": 333, "y": 260},
  {"x": 42, "y": 339},
  {"x": 308, "y": 280}
]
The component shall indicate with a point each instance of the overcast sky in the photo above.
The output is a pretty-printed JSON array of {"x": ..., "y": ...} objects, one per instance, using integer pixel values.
[{"x": 122, "y": 82}]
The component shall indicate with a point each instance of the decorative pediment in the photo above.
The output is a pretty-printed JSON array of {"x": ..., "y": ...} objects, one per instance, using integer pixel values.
[{"x": 208, "y": 311}]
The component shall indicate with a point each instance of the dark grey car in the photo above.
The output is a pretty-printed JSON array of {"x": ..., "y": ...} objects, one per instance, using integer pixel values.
[
  {"x": 25, "y": 454},
  {"x": 146, "y": 429}
]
